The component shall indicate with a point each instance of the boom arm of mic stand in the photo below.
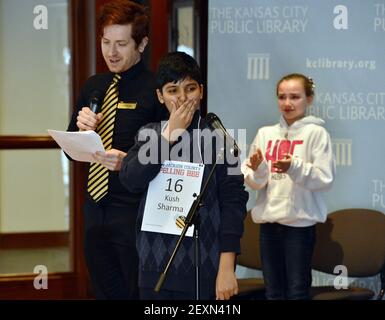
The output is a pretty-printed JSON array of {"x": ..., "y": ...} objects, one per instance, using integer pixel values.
[{"x": 189, "y": 221}]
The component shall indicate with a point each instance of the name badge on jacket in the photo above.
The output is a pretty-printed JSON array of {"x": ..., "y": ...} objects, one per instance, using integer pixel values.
[{"x": 127, "y": 105}]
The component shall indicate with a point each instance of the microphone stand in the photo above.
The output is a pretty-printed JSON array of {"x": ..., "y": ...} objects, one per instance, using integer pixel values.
[{"x": 192, "y": 218}]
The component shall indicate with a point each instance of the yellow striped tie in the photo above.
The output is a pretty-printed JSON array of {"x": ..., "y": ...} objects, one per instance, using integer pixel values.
[{"x": 97, "y": 185}]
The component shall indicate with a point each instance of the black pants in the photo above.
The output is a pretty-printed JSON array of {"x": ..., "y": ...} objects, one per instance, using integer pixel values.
[
  {"x": 110, "y": 252},
  {"x": 286, "y": 254}
]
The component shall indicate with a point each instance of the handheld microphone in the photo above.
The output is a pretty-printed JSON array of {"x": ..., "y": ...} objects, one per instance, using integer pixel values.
[
  {"x": 96, "y": 101},
  {"x": 215, "y": 124}
]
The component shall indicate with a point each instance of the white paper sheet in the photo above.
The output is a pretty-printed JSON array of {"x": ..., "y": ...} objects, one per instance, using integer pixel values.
[{"x": 78, "y": 145}]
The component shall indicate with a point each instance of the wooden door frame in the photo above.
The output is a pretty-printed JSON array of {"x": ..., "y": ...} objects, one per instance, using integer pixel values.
[{"x": 73, "y": 284}]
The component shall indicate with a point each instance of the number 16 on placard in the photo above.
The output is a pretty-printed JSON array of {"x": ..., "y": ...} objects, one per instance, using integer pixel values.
[{"x": 178, "y": 187}]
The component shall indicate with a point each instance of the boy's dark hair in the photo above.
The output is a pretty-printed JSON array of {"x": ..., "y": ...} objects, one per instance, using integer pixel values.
[{"x": 176, "y": 66}]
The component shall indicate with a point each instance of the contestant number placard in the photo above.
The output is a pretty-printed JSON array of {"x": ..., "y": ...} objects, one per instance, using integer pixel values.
[{"x": 170, "y": 196}]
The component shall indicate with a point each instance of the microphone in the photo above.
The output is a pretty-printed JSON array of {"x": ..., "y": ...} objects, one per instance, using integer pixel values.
[
  {"x": 215, "y": 124},
  {"x": 96, "y": 101}
]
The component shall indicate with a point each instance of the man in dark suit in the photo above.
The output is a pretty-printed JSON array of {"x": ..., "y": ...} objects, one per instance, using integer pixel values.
[{"x": 127, "y": 102}]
